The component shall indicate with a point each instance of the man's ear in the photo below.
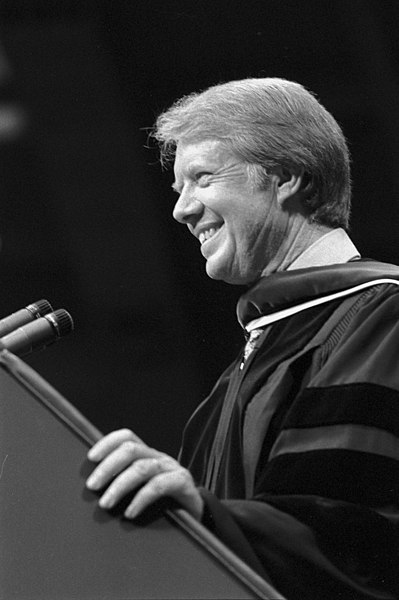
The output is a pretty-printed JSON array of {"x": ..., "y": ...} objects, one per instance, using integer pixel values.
[{"x": 288, "y": 183}]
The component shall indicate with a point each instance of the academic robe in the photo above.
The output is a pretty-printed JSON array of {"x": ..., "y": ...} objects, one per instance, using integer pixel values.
[{"x": 297, "y": 452}]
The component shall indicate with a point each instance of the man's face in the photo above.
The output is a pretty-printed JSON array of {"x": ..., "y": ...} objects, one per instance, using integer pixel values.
[{"x": 240, "y": 226}]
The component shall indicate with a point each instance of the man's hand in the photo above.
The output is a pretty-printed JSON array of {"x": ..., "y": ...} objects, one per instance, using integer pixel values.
[{"x": 126, "y": 463}]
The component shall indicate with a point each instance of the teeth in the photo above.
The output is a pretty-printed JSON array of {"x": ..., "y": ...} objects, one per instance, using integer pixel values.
[{"x": 206, "y": 235}]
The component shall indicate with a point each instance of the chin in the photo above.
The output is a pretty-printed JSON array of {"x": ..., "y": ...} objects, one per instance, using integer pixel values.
[{"x": 218, "y": 273}]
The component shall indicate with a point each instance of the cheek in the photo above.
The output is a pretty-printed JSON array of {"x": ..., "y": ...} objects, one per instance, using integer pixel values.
[
  {"x": 247, "y": 224},
  {"x": 252, "y": 232}
]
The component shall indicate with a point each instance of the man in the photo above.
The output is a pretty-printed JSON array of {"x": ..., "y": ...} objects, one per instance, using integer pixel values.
[{"x": 293, "y": 458}]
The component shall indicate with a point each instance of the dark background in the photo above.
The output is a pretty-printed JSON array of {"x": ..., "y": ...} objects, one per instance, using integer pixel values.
[{"x": 85, "y": 209}]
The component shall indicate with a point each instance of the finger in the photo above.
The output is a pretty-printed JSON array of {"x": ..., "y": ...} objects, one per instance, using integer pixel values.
[
  {"x": 130, "y": 479},
  {"x": 109, "y": 442},
  {"x": 117, "y": 460},
  {"x": 177, "y": 484}
]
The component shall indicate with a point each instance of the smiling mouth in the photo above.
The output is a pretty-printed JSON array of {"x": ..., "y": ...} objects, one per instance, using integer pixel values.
[{"x": 204, "y": 236}]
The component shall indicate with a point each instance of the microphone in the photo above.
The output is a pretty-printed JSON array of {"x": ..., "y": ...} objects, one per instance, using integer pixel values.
[
  {"x": 25, "y": 315},
  {"x": 39, "y": 334}
]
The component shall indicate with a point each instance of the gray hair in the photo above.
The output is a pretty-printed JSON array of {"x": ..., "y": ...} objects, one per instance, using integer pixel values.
[{"x": 269, "y": 122}]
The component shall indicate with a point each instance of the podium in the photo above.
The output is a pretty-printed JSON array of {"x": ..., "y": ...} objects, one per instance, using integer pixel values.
[{"x": 56, "y": 544}]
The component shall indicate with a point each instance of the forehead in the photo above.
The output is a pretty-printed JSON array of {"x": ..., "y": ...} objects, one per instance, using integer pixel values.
[{"x": 212, "y": 152}]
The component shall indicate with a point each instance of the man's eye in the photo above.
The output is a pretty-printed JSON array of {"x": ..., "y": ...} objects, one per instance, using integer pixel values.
[{"x": 202, "y": 177}]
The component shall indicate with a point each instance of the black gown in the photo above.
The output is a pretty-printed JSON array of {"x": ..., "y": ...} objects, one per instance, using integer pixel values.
[{"x": 297, "y": 451}]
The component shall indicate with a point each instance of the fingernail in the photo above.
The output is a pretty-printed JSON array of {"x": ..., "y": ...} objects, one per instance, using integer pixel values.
[
  {"x": 106, "y": 501},
  {"x": 91, "y": 455},
  {"x": 92, "y": 483},
  {"x": 131, "y": 512}
]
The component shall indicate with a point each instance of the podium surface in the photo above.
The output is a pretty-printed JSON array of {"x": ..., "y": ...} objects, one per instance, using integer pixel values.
[{"x": 57, "y": 544}]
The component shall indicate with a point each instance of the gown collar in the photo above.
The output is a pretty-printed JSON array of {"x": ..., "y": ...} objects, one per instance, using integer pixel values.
[{"x": 287, "y": 288}]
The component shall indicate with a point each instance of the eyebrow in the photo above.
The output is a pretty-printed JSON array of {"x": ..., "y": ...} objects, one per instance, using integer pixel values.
[{"x": 175, "y": 187}]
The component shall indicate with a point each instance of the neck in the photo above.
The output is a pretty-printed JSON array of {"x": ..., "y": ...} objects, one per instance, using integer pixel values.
[{"x": 300, "y": 236}]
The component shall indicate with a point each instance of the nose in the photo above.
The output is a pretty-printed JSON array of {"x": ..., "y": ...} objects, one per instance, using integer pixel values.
[{"x": 187, "y": 209}]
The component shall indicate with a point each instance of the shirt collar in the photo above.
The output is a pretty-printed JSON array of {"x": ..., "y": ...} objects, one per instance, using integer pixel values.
[{"x": 332, "y": 248}]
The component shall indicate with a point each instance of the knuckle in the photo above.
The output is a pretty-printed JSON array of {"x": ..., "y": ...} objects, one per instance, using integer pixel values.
[
  {"x": 183, "y": 474},
  {"x": 160, "y": 486},
  {"x": 184, "y": 481},
  {"x": 128, "y": 447},
  {"x": 141, "y": 467},
  {"x": 166, "y": 462},
  {"x": 126, "y": 433}
]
